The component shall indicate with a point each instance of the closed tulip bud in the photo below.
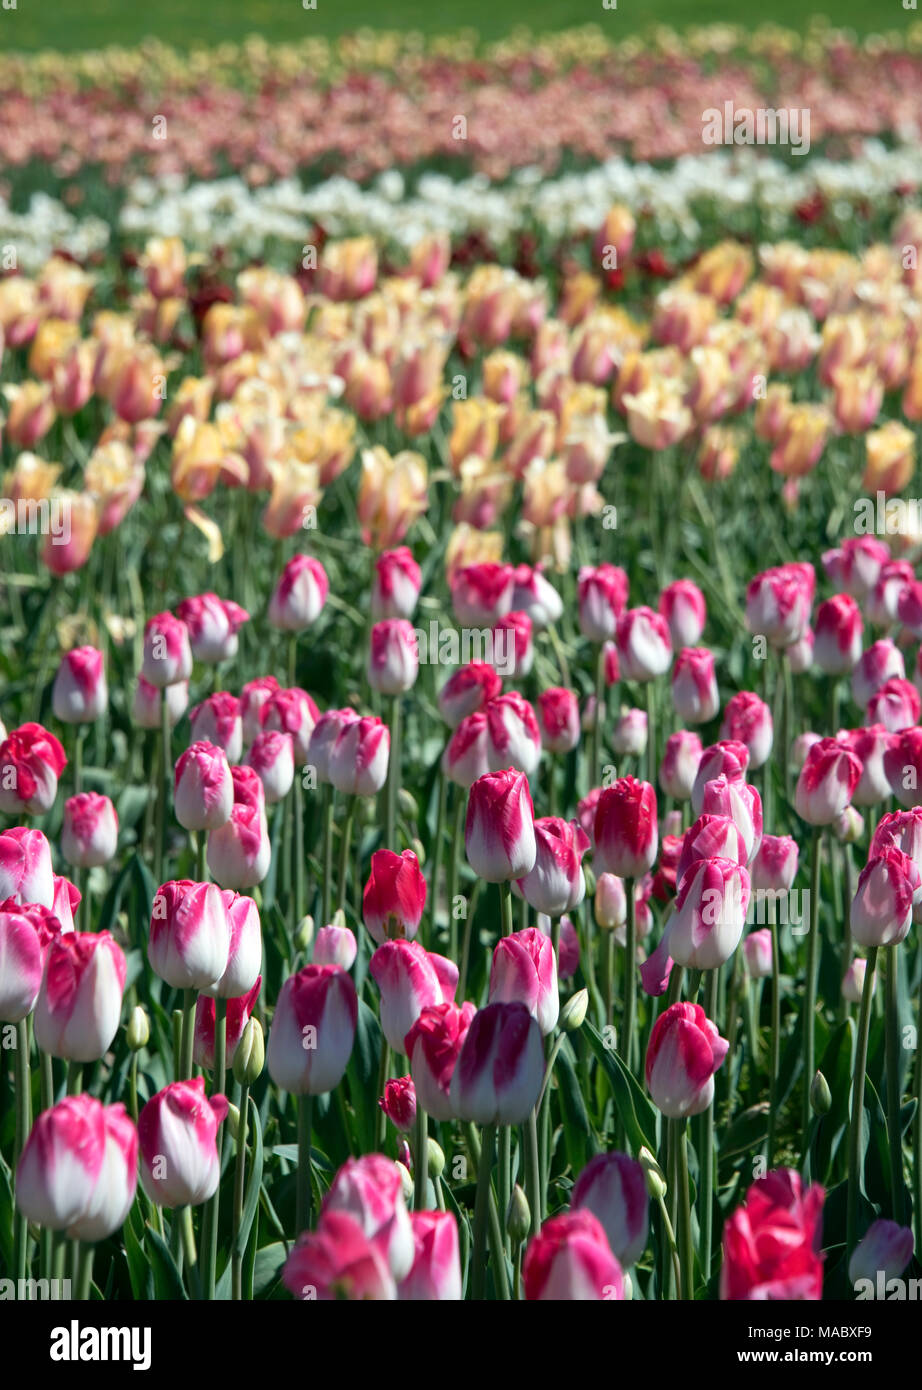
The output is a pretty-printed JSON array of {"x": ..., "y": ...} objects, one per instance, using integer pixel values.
[
  {"x": 653, "y": 1175},
  {"x": 757, "y": 949},
  {"x": 727, "y": 759},
  {"x": 694, "y": 686},
  {"x": 80, "y": 694},
  {"x": 524, "y": 971},
  {"x": 555, "y": 882},
  {"x": 644, "y": 645},
  {"x": 335, "y": 945},
  {"x": 300, "y": 594},
  {"x": 189, "y": 941},
  {"x": 250, "y": 1057},
  {"x": 684, "y": 1052},
  {"x": 775, "y": 865},
  {"x": 500, "y": 829},
  {"x": 271, "y": 756},
  {"x": 369, "y": 1190},
  {"x": 359, "y": 757},
  {"x": 849, "y": 827},
  {"x": 236, "y": 1018},
  {"x": 682, "y": 605},
  {"x": 613, "y": 1187},
  {"x": 213, "y": 624},
  {"x": 178, "y": 1130},
  {"x": 89, "y": 833},
  {"x": 80, "y": 1001},
  {"x": 826, "y": 783},
  {"x": 629, "y": 735},
  {"x": 820, "y": 1095},
  {"x": 518, "y": 1216},
  {"x": 137, "y": 1033},
  {"x": 313, "y": 1029},
  {"x": 513, "y": 737},
  {"x": 853, "y": 981},
  {"x": 22, "y": 962},
  {"x": 876, "y": 665},
  {"x": 884, "y": 1250},
  {"x": 602, "y": 600},
  {"x": 881, "y": 910},
  {"x": 557, "y": 711},
  {"x": 399, "y": 1103},
  {"x": 433, "y": 1045},
  {"x": 626, "y": 835},
  {"x": 573, "y": 1013},
  {"x": 394, "y": 896},
  {"x": 837, "y": 635},
  {"x": 778, "y": 605},
  {"x": 610, "y": 902},
  {"x": 393, "y": 657},
  {"x": 570, "y": 1260},
  {"x": 396, "y": 585},
  {"x": 336, "y": 1262},
  {"x": 203, "y": 790},
  {"x": 772, "y": 1244},
  {"x": 25, "y": 867},
  {"x": 31, "y": 761},
  {"x": 148, "y": 701},
  {"x": 217, "y": 720},
  {"x": 902, "y": 763},
  {"x": 239, "y": 852},
  {"x": 498, "y": 1075},
  {"x": 167, "y": 652},
  {"x": 679, "y": 767},
  {"x": 61, "y": 1167},
  {"x": 748, "y": 720},
  {"x": 468, "y": 690}
]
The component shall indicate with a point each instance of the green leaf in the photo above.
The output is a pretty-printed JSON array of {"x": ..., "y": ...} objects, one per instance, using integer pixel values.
[
  {"x": 251, "y": 1200},
  {"x": 577, "y": 1130},
  {"x": 167, "y": 1278},
  {"x": 637, "y": 1114},
  {"x": 267, "y": 1267}
]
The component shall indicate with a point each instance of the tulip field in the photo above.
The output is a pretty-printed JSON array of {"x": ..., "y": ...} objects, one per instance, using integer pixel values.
[{"x": 460, "y": 667}]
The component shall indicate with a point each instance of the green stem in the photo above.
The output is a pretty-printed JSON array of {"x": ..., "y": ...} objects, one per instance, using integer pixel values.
[
  {"x": 481, "y": 1205},
  {"x": 163, "y": 789},
  {"x": 326, "y": 888},
  {"x": 854, "y": 1136},
  {"x": 776, "y": 1045},
  {"x": 304, "y": 1197},
  {"x": 894, "y": 1132},
  {"x": 437, "y": 853},
  {"x": 421, "y": 1166},
  {"x": 381, "y": 1118},
  {"x": 393, "y": 778},
  {"x": 239, "y": 1183},
  {"x": 810, "y": 1000},
  {"x": 600, "y": 704},
  {"x": 686, "y": 1248},
  {"x": 188, "y": 1243},
  {"x": 651, "y": 733},
  {"x": 630, "y": 975},
  {"x": 74, "y": 1078},
  {"x": 707, "y": 1147},
  {"x": 187, "y": 1039},
  {"x": 533, "y": 1171},
  {"x": 23, "y": 1087},
  {"x": 344, "y": 853},
  {"x": 84, "y": 1271},
  {"x": 299, "y": 849},
  {"x": 210, "y": 1227},
  {"x": 454, "y": 866}
]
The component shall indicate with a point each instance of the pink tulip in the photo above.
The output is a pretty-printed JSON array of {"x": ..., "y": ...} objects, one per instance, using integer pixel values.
[
  {"x": 465, "y": 757},
  {"x": 80, "y": 1001},
  {"x": 610, "y": 902},
  {"x": 498, "y": 1075},
  {"x": 335, "y": 946},
  {"x": 66, "y": 900},
  {"x": 882, "y": 605},
  {"x": 629, "y": 735},
  {"x": 602, "y": 597},
  {"x": 359, "y": 757},
  {"x": 570, "y": 1260},
  {"x": 909, "y": 607},
  {"x": 775, "y": 865},
  {"x": 31, "y": 761},
  {"x": 177, "y": 1132},
  {"x": 694, "y": 686},
  {"x": 22, "y": 962},
  {"x": 682, "y": 605},
  {"x": 189, "y": 939},
  {"x": 557, "y": 711},
  {"x": 410, "y": 979},
  {"x": 555, "y": 884},
  {"x": 709, "y": 913},
  {"x": 313, "y": 1029},
  {"x": 217, "y": 720},
  {"x": 433, "y": 1045},
  {"x": 336, "y": 1262},
  {"x": 772, "y": 1244},
  {"x": 252, "y": 698},
  {"x": 826, "y": 783},
  {"x": 644, "y": 645},
  {"x": 679, "y": 767},
  {"x": 167, "y": 653},
  {"x": 536, "y": 596},
  {"x": 89, "y": 833},
  {"x": 724, "y": 759},
  {"x": 524, "y": 971},
  {"x": 239, "y": 852},
  {"x": 399, "y": 1103},
  {"x": 613, "y": 1187},
  {"x": 837, "y": 635},
  {"x": 148, "y": 702},
  {"x": 513, "y": 737},
  {"x": 499, "y": 834},
  {"x": 856, "y": 564},
  {"x": 881, "y": 910},
  {"x": 883, "y": 1252},
  {"x": 853, "y": 981},
  {"x": 435, "y": 1276},
  {"x": 513, "y": 649},
  {"x": 80, "y": 694},
  {"x": 271, "y": 756},
  {"x": 369, "y": 1190},
  {"x": 25, "y": 867},
  {"x": 244, "y": 956},
  {"x": 300, "y": 594},
  {"x": 394, "y": 897},
  {"x": 876, "y": 665},
  {"x": 757, "y": 950},
  {"x": 203, "y": 789},
  {"x": 626, "y": 834},
  {"x": 869, "y": 746},
  {"x": 293, "y": 712},
  {"x": 482, "y": 594},
  {"x": 213, "y": 624},
  {"x": 114, "y": 1196},
  {"x": 237, "y": 1017},
  {"x": 396, "y": 585},
  {"x": 742, "y": 803},
  {"x": 469, "y": 689},
  {"x": 748, "y": 720},
  {"x": 393, "y": 657},
  {"x": 778, "y": 605},
  {"x": 712, "y": 836},
  {"x": 684, "y": 1052},
  {"x": 63, "y": 1163},
  {"x": 896, "y": 705}
]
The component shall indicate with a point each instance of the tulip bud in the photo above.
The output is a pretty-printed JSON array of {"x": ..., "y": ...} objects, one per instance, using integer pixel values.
[
  {"x": 837, "y": 635},
  {"x": 654, "y": 1175},
  {"x": 573, "y": 1013},
  {"x": 757, "y": 949},
  {"x": 853, "y": 981},
  {"x": 137, "y": 1032},
  {"x": 213, "y": 624},
  {"x": 820, "y": 1095},
  {"x": 684, "y": 1052},
  {"x": 748, "y": 720},
  {"x": 313, "y": 1030},
  {"x": 300, "y": 594},
  {"x": 644, "y": 645},
  {"x": 435, "y": 1156},
  {"x": 558, "y": 719},
  {"x": 89, "y": 833},
  {"x": 513, "y": 737},
  {"x": 80, "y": 1001},
  {"x": 500, "y": 830},
  {"x": 679, "y": 767},
  {"x": 203, "y": 789},
  {"x": 694, "y": 686},
  {"x": 396, "y": 585},
  {"x": 602, "y": 600},
  {"x": 335, "y": 945},
  {"x": 629, "y": 735},
  {"x": 271, "y": 755},
  {"x": 80, "y": 694},
  {"x": 518, "y": 1216},
  {"x": 555, "y": 883},
  {"x": 250, "y": 1056},
  {"x": 393, "y": 657},
  {"x": 167, "y": 653}
]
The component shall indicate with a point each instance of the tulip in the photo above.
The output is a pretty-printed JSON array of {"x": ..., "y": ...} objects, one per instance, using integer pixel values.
[
  {"x": 393, "y": 658},
  {"x": 826, "y": 783},
  {"x": 499, "y": 1071},
  {"x": 468, "y": 690},
  {"x": 433, "y": 1045},
  {"x": 882, "y": 1254},
  {"x": 757, "y": 950},
  {"x": 629, "y": 736},
  {"x": 435, "y": 1275},
  {"x": 557, "y": 711},
  {"x": 837, "y": 632},
  {"x": 396, "y": 585},
  {"x": 252, "y": 698},
  {"x": 212, "y": 624},
  {"x": 772, "y": 1244},
  {"x": 613, "y": 1187},
  {"x": 896, "y": 705},
  {"x": 31, "y": 761},
  {"x": 118, "y": 1179},
  {"x": 148, "y": 702},
  {"x": 410, "y": 979},
  {"x": 602, "y": 601},
  {"x": 89, "y": 834},
  {"x": 313, "y": 1030},
  {"x": 625, "y": 832},
  {"x": 524, "y": 971},
  {"x": 177, "y": 1133},
  {"x": 369, "y": 1190},
  {"x": 236, "y": 1018},
  {"x": 570, "y": 1259},
  {"x": 300, "y": 595},
  {"x": 741, "y": 802},
  {"x": 800, "y": 653},
  {"x": 465, "y": 757},
  {"x": 644, "y": 644},
  {"x": 513, "y": 736},
  {"x": 217, "y": 720},
  {"x": 610, "y": 902},
  {"x": 535, "y": 596},
  {"x": 682, "y": 605},
  {"x": 399, "y": 1103},
  {"x": 203, "y": 788},
  {"x": 290, "y": 711},
  {"x": 66, "y": 900},
  {"x": 80, "y": 694},
  {"x": 63, "y": 1164},
  {"x": 244, "y": 955},
  {"x": 22, "y": 962},
  {"x": 684, "y": 1052},
  {"x": 189, "y": 939},
  {"x": 748, "y": 720},
  {"x": 679, "y": 766},
  {"x": 80, "y": 1001},
  {"x": 359, "y": 758},
  {"x": 710, "y": 910},
  {"x": 499, "y": 831},
  {"x": 555, "y": 883},
  {"x": 335, "y": 945},
  {"x": 167, "y": 652},
  {"x": 394, "y": 897},
  {"x": 727, "y": 759},
  {"x": 271, "y": 756},
  {"x": 694, "y": 686},
  {"x": 482, "y": 594},
  {"x": 877, "y": 664},
  {"x": 712, "y": 836},
  {"x": 239, "y": 852},
  {"x": 25, "y": 867},
  {"x": 778, "y": 605},
  {"x": 338, "y": 1261},
  {"x": 513, "y": 650},
  {"x": 881, "y": 910}
]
